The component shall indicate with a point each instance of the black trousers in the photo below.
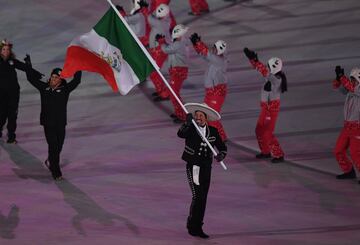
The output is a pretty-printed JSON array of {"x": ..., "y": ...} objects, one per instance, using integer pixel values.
[
  {"x": 55, "y": 136},
  {"x": 9, "y": 105},
  {"x": 199, "y": 196}
]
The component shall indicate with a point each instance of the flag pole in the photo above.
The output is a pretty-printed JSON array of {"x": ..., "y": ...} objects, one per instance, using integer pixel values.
[{"x": 163, "y": 78}]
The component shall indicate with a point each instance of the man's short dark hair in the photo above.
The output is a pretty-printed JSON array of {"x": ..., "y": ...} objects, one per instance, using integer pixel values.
[{"x": 202, "y": 113}]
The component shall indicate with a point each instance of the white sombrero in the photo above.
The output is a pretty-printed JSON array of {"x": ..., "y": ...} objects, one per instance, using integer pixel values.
[{"x": 212, "y": 115}]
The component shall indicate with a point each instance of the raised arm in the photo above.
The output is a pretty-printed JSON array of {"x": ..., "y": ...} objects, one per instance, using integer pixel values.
[
  {"x": 32, "y": 75},
  {"x": 198, "y": 45},
  {"x": 75, "y": 81},
  {"x": 19, "y": 65},
  {"x": 253, "y": 58},
  {"x": 347, "y": 84},
  {"x": 352, "y": 87},
  {"x": 187, "y": 128}
]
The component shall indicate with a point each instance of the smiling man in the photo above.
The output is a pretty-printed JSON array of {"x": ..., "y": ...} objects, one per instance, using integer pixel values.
[
  {"x": 199, "y": 157},
  {"x": 53, "y": 117}
]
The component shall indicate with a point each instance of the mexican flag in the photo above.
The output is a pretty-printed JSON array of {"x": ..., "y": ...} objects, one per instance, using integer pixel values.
[{"x": 109, "y": 49}]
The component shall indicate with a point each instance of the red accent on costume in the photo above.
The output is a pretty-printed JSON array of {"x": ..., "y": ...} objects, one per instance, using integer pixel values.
[
  {"x": 347, "y": 84},
  {"x": 177, "y": 77},
  {"x": 160, "y": 57},
  {"x": 145, "y": 39},
  {"x": 214, "y": 98},
  {"x": 198, "y": 6},
  {"x": 155, "y": 3},
  {"x": 201, "y": 48},
  {"x": 265, "y": 127},
  {"x": 349, "y": 138},
  {"x": 352, "y": 126},
  {"x": 123, "y": 13},
  {"x": 336, "y": 84},
  {"x": 172, "y": 21},
  {"x": 260, "y": 67},
  {"x": 160, "y": 42}
]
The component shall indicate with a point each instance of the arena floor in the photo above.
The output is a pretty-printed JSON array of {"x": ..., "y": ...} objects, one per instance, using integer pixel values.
[{"x": 124, "y": 180}]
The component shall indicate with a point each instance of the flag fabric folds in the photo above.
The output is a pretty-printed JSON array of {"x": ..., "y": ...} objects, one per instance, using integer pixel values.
[{"x": 109, "y": 49}]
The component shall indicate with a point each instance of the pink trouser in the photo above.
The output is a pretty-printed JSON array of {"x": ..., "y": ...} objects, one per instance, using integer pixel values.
[
  {"x": 177, "y": 76},
  {"x": 349, "y": 138},
  {"x": 198, "y": 5},
  {"x": 265, "y": 127},
  {"x": 215, "y": 98},
  {"x": 160, "y": 57}
]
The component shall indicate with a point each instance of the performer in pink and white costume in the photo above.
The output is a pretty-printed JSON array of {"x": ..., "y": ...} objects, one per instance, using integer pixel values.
[
  {"x": 349, "y": 137},
  {"x": 159, "y": 34},
  {"x": 215, "y": 81},
  {"x": 275, "y": 83},
  {"x": 178, "y": 67}
]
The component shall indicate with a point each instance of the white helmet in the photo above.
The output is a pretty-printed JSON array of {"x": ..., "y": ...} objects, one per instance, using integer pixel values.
[
  {"x": 136, "y": 6},
  {"x": 275, "y": 65},
  {"x": 355, "y": 73},
  {"x": 162, "y": 11},
  {"x": 179, "y": 31},
  {"x": 220, "y": 46}
]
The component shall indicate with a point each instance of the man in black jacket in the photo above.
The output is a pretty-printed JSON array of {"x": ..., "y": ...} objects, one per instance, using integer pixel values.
[
  {"x": 9, "y": 90},
  {"x": 199, "y": 159},
  {"x": 54, "y": 97}
]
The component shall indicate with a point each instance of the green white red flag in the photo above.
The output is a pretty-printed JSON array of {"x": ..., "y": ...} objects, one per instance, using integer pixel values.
[{"x": 109, "y": 49}]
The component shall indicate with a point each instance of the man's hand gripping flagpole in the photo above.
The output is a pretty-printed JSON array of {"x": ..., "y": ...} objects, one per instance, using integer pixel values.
[{"x": 164, "y": 80}]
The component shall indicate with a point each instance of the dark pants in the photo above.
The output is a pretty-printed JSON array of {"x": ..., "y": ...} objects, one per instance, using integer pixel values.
[
  {"x": 55, "y": 136},
  {"x": 199, "y": 196},
  {"x": 9, "y": 104}
]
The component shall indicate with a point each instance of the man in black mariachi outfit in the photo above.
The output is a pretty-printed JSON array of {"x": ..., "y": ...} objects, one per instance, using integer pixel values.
[
  {"x": 199, "y": 159},
  {"x": 54, "y": 97}
]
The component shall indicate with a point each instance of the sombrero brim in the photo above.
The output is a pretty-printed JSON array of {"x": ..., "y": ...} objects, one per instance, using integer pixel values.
[{"x": 212, "y": 115}]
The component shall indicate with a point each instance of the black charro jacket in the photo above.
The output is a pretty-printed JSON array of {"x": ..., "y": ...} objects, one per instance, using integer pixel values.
[
  {"x": 196, "y": 151},
  {"x": 53, "y": 101}
]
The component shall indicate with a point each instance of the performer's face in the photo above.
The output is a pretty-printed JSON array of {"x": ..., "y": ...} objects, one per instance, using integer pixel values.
[
  {"x": 5, "y": 52},
  {"x": 55, "y": 80},
  {"x": 200, "y": 118}
]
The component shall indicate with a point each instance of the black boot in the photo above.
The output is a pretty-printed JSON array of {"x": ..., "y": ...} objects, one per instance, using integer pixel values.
[
  {"x": 202, "y": 234},
  {"x": 191, "y": 228},
  {"x": 11, "y": 138},
  {"x": 192, "y": 232},
  {"x": 11, "y": 141},
  {"x": 349, "y": 175},
  {"x": 277, "y": 159},
  {"x": 155, "y": 94},
  {"x": 263, "y": 156}
]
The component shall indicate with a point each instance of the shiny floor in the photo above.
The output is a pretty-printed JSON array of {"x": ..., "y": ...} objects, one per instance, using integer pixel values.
[{"x": 124, "y": 180}]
